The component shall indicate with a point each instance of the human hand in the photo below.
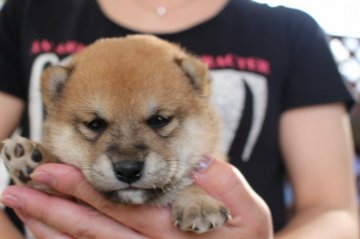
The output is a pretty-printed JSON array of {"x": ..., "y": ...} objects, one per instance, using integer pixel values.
[{"x": 105, "y": 219}]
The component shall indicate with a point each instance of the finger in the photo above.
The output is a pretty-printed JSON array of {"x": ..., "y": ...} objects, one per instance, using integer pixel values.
[
  {"x": 224, "y": 182},
  {"x": 64, "y": 179},
  {"x": 228, "y": 186},
  {"x": 69, "y": 180},
  {"x": 40, "y": 229},
  {"x": 65, "y": 216}
]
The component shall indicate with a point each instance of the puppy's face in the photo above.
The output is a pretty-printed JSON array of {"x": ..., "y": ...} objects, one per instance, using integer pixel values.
[{"x": 132, "y": 113}]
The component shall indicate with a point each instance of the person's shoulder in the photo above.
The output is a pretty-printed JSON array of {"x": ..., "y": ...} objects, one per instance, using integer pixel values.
[
  {"x": 296, "y": 18},
  {"x": 42, "y": 5},
  {"x": 271, "y": 14},
  {"x": 262, "y": 16},
  {"x": 46, "y": 4}
]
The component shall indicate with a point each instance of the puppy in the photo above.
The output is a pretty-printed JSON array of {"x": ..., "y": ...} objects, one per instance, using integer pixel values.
[{"x": 134, "y": 115}]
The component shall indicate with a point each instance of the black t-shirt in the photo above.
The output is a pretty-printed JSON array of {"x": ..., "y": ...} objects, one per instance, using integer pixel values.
[{"x": 263, "y": 62}]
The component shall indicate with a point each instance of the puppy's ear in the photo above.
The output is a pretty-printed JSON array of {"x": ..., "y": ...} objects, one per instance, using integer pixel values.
[
  {"x": 53, "y": 81},
  {"x": 196, "y": 72}
]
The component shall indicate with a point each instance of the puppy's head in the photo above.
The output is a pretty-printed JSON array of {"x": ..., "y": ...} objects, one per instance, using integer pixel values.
[{"x": 132, "y": 113}]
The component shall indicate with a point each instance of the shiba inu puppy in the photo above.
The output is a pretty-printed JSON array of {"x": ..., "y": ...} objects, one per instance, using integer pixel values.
[{"x": 134, "y": 115}]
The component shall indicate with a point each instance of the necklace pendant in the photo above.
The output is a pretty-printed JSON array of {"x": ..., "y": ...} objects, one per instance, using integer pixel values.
[{"x": 161, "y": 11}]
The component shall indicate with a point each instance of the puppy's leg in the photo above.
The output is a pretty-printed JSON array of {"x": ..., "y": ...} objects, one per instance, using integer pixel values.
[
  {"x": 194, "y": 210},
  {"x": 21, "y": 156}
]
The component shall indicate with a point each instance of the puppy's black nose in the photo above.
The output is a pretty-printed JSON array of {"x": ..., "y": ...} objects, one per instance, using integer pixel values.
[{"x": 128, "y": 171}]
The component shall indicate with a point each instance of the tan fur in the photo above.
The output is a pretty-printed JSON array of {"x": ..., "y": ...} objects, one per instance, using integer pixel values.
[{"x": 125, "y": 82}]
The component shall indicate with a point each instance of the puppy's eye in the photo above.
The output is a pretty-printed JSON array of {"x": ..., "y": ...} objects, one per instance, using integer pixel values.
[
  {"x": 96, "y": 125},
  {"x": 158, "y": 121}
]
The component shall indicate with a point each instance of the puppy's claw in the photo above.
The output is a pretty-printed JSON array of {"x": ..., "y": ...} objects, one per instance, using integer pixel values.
[
  {"x": 227, "y": 215},
  {"x": 194, "y": 228},
  {"x": 176, "y": 223},
  {"x": 212, "y": 225}
]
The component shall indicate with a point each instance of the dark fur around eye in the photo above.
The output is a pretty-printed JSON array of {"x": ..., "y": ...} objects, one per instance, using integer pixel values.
[
  {"x": 97, "y": 125},
  {"x": 158, "y": 121}
]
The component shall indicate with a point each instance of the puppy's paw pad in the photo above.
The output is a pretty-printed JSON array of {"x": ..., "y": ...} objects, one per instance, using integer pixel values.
[
  {"x": 200, "y": 217},
  {"x": 19, "y": 150},
  {"x": 36, "y": 156},
  {"x": 21, "y": 156}
]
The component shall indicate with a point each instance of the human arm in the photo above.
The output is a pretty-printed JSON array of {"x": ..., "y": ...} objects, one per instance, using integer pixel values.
[
  {"x": 318, "y": 151},
  {"x": 10, "y": 112},
  {"x": 7, "y": 229},
  {"x": 11, "y": 109},
  {"x": 250, "y": 216}
]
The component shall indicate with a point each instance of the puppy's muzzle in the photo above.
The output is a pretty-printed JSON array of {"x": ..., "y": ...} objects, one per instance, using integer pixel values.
[{"x": 128, "y": 171}]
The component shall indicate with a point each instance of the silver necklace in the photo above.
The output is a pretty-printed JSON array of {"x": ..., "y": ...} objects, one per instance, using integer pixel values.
[{"x": 160, "y": 11}]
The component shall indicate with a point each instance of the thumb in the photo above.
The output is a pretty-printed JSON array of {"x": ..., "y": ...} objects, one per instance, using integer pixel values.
[
  {"x": 64, "y": 179},
  {"x": 225, "y": 183}
]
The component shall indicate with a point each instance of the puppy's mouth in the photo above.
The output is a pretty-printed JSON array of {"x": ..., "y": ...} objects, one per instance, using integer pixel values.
[
  {"x": 135, "y": 195},
  {"x": 135, "y": 182}
]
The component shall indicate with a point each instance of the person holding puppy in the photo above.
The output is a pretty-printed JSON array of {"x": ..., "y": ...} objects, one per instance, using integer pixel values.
[{"x": 275, "y": 86}]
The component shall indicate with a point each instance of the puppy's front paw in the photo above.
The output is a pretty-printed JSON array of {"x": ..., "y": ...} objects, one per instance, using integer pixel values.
[
  {"x": 21, "y": 156},
  {"x": 199, "y": 213}
]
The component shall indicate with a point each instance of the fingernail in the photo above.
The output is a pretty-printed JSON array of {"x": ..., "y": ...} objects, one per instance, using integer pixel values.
[
  {"x": 43, "y": 177},
  {"x": 10, "y": 201},
  {"x": 204, "y": 164}
]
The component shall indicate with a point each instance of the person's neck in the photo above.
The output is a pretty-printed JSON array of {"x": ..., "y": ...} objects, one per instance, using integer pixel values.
[{"x": 160, "y": 16}]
